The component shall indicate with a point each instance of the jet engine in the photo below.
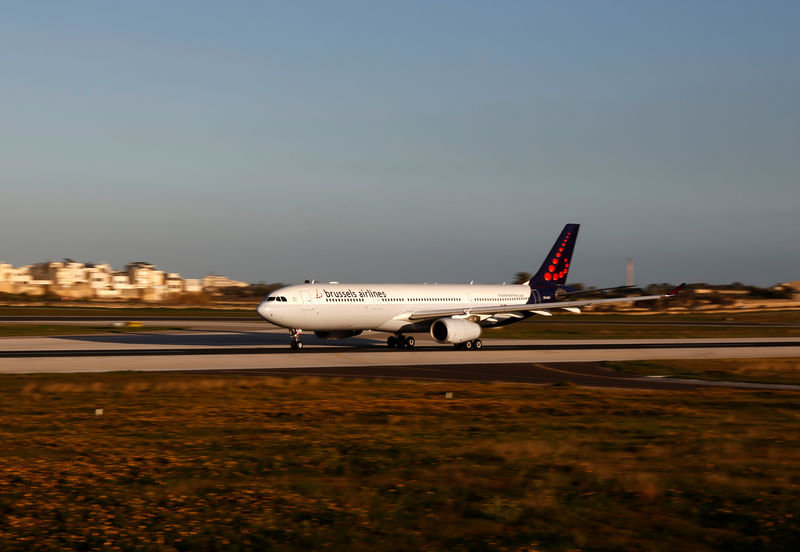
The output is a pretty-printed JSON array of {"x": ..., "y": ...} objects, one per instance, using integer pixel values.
[
  {"x": 336, "y": 334},
  {"x": 454, "y": 330}
]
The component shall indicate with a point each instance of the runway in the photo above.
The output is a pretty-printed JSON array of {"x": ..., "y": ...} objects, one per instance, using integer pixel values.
[{"x": 247, "y": 347}]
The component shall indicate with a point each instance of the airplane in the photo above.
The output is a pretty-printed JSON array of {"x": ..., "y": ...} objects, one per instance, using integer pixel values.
[{"x": 453, "y": 314}]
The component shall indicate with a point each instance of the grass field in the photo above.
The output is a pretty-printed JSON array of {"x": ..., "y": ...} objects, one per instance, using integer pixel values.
[
  {"x": 768, "y": 370},
  {"x": 188, "y": 462}
]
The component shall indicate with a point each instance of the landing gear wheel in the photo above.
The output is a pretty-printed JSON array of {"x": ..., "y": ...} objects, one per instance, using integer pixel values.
[
  {"x": 401, "y": 341},
  {"x": 296, "y": 344},
  {"x": 477, "y": 344},
  {"x": 467, "y": 345}
]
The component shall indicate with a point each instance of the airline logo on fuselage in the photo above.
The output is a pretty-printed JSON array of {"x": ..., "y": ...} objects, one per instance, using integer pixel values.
[{"x": 350, "y": 293}]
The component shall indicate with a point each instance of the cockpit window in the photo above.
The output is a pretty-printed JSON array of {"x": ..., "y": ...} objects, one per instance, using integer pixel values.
[
  {"x": 279, "y": 298},
  {"x": 271, "y": 299}
]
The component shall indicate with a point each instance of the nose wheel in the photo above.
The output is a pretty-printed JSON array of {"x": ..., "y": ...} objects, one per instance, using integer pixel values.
[{"x": 296, "y": 344}]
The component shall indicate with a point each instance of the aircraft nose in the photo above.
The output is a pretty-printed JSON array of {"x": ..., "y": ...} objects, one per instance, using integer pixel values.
[{"x": 263, "y": 310}]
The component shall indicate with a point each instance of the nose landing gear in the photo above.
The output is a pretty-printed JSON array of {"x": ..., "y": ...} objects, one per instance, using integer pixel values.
[{"x": 296, "y": 344}]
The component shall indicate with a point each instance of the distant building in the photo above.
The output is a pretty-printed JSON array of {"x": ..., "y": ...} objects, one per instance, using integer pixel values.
[
  {"x": 193, "y": 285},
  {"x": 213, "y": 282},
  {"x": 793, "y": 286},
  {"x": 174, "y": 283},
  {"x": 100, "y": 280},
  {"x": 144, "y": 275},
  {"x": 721, "y": 291},
  {"x": 120, "y": 287},
  {"x": 70, "y": 279},
  {"x": 6, "y": 277},
  {"x": 20, "y": 280},
  {"x": 62, "y": 274}
]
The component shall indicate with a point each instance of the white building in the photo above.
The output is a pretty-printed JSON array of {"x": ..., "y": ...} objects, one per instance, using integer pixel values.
[
  {"x": 20, "y": 280},
  {"x": 144, "y": 275},
  {"x": 174, "y": 283},
  {"x": 213, "y": 282},
  {"x": 140, "y": 280},
  {"x": 193, "y": 285},
  {"x": 6, "y": 272}
]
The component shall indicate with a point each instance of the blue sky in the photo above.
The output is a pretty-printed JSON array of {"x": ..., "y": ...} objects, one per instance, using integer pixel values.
[{"x": 403, "y": 141}]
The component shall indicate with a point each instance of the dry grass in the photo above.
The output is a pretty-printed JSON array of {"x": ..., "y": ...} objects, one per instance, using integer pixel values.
[
  {"x": 186, "y": 462},
  {"x": 767, "y": 370}
]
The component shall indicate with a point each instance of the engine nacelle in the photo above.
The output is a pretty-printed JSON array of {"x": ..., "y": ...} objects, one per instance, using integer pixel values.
[
  {"x": 336, "y": 334},
  {"x": 454, "y": 330}
]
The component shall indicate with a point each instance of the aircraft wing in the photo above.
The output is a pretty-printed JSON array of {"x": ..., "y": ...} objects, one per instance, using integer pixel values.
[{"x": 538, "y": 308}]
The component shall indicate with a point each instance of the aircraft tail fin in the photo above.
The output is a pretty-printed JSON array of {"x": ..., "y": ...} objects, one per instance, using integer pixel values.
[{"x": 556, "y": 266}]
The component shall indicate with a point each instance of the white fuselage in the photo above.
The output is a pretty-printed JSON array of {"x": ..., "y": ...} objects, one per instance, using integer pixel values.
[{"x": 381, "y": 307}]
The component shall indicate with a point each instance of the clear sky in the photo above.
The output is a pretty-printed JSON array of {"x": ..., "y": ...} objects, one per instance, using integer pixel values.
[{"x": 440, "y": 141}]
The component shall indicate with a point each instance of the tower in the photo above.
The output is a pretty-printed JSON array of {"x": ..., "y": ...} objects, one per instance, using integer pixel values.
[{"x": 629, "y": 272}]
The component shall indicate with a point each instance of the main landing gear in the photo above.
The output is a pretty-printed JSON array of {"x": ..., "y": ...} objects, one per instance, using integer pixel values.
[
  {"x": 296, "y": 344},
  {"x": 473, "y": 345},
  {"x": 399, "y": 341}
]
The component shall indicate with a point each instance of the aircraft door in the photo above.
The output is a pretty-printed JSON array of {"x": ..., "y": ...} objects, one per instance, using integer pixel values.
[
  {"x": 536, "y": 296},
  {"x": 306, "y": 299}
]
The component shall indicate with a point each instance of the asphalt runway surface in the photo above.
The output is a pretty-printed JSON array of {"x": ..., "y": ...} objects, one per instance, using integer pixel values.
[{"x": 254, "y": 348}]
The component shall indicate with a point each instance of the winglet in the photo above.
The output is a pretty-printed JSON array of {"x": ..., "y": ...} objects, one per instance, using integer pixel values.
[{"x": 673, "y": 292}]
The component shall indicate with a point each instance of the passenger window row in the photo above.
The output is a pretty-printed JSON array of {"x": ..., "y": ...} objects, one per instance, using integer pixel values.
[{"x": 392, "y": 299}]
